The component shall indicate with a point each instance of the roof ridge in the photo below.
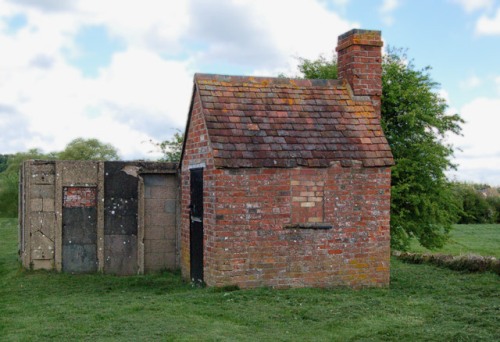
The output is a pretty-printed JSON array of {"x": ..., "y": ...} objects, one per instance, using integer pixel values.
[{"x": 260, "y": 81}]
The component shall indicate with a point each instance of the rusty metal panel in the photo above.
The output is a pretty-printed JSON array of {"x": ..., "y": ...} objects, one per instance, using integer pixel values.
[{"x": 79, "y": 230}]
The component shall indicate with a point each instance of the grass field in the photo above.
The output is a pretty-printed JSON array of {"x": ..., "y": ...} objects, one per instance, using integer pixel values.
[
  {"x": 423, "y": 303},
  {"x": 482, "y": 239}
]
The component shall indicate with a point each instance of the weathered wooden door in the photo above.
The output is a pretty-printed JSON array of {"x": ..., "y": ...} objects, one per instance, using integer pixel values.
[
  {"x": 196, "y": 226},
  {"x": 79, "y": 230}
]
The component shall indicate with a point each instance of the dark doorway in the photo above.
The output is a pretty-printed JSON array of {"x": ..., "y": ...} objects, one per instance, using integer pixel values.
[
  {"x": 79, "y": 230},
  {"x": 196, "y": 226}
]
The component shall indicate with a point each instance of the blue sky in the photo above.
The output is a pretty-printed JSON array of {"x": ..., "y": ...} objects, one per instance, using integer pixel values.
[{"x": 121, "y": 70}]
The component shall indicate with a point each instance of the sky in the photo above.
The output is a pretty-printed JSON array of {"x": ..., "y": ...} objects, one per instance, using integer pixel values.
[{"x": 122, "y": 71}]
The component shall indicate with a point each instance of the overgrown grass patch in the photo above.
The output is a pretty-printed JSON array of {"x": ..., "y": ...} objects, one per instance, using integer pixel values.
[{"x": 423, "y": 303}]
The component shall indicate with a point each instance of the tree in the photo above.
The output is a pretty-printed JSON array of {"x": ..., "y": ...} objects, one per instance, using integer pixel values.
[
  {"x": 88, "y": 149},
  {"x": 416, "y": 123},
  {"x": 9, "y": 181},
  {"x": 3, "y": 162},
  {"x": 78, "y": 149},
  {"x": 171, "y": 149},
  {"x": 479, "y": 203},
  {"x": 494, "y": 203}
]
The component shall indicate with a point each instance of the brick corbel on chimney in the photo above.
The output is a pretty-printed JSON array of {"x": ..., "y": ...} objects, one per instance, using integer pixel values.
[{"x": 360, "y": 63}]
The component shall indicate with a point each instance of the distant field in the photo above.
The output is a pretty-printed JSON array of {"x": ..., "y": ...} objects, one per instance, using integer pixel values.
[
  {"x": 423, "y": 303},
  {"x": 482, "y": 239}
]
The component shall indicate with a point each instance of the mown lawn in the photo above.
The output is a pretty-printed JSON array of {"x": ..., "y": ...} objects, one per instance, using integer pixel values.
[
  {"x": 423, "y": 303},
  {"x": 482, "y": 239}
]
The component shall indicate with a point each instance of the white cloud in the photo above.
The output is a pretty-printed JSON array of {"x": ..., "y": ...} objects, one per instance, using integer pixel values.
[
  {"x": 46, "y": 102},
  {"x": 258, "y": 34},
  {"x": 154, "y": 24},
  {"x": 479, "y": 159},
  {"x": 470, "y": 83},
  {"x": 145, "y": 89},
  {"x": 474, "y": 5},
  {"x": 386, "y": 10},
  {"x": 341, "y": 2},
  {"x": 497, "y": 81},
  {"x": 489, "y": 25},
  {"x": 389, "y": 6},
  {"x": 444, "y": 95}
]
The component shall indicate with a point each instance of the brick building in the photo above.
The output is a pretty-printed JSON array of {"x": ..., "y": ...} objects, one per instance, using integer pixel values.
[
  {"x": 286, "y": 182},
  {"x": 282, "y": 183}
]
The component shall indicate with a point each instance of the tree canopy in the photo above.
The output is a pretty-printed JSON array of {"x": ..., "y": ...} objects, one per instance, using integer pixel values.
[
  {"x": 88, "y": 149},
  {"x": 78, "y": 149},
  {"x": 416, "y": 124},
  {"x": 171, "y": 148},
  {"x": 9, "y": 180}
]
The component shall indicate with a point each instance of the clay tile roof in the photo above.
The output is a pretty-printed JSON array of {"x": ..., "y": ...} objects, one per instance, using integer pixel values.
[{"x": 280, "y": 122}]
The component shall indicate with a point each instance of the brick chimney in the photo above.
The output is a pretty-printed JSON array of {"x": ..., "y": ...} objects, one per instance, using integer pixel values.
[{"x": 360, "y": 63}]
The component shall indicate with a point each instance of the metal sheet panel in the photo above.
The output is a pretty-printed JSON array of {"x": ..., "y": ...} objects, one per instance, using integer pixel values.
[{"x": 79, "y": 230}]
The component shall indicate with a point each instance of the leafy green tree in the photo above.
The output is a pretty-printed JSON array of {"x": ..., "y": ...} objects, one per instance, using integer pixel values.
[
  {"x": 78, "y": 149},
  {"x": 494, "y": 203},
  {"x": 9, "y": 181},
  {"x": 476, "y": 204},
  {"x": 3, "y": 161},
  {"x": 416, "y": 123},
  {"x": 88, "y": 149},
  {"x": 320, "y": 68},
  {"x": 172, "y": 148}
]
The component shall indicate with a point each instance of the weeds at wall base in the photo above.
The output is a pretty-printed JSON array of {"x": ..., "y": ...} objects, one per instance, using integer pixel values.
[{"x": 465, "y": 263}]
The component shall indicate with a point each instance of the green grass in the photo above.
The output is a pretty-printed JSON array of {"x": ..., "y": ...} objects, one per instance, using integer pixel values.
[
  {"x": 482, "y": 239},
  {"x": 423, "y": 303}
]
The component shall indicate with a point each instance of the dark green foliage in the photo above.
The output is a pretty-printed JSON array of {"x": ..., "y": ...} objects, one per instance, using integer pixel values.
[
  {"x": 494, "y": 203},
  {"x": 415, "y": 122},
  {"x": 88, "y": 149},
  {"x": 9, "y": 181},
  {"x": 474, "y": 206},
  {"x": 171, "y": 149},
  {"x": 3, "y": 162},
  {"x": 320, "y": 68}
]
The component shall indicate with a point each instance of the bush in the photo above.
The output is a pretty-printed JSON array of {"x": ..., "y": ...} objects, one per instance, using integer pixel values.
[{"x": 479, "y": 203}]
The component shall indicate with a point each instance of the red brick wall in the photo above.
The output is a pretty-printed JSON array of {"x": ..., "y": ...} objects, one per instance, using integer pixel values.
[
  {"x": 247, "y": 212},
  {"x": 197, "y": 152},
  {"x": 251, "y": 246}
]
